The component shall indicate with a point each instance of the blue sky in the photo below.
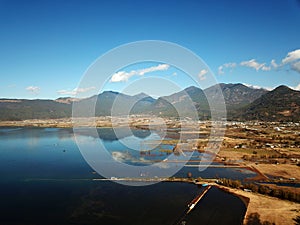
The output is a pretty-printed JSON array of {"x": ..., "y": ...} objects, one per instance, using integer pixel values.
[{"x": 46, "y": 46}]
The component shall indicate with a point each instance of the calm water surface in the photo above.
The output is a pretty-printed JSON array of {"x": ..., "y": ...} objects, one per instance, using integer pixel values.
[{"x": 45, "y": 180}]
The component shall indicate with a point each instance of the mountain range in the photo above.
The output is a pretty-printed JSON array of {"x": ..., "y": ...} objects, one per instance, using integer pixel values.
[{"x": 242, "y": 102}]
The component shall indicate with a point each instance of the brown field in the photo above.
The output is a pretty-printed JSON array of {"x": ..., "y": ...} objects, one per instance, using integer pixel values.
[
  {"x": 274, "y": 210},
  {"x": 281, "y": 170}
]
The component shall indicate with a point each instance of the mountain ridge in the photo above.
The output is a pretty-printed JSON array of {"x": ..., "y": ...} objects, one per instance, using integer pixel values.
[
  {"x": 242, "y": 103},
  {"x": 280, "y": 104}
]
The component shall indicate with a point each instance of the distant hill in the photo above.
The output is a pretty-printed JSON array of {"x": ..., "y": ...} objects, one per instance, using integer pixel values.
[
  {"x": 236, "y": 95},
  {"x": 187, "y": 101},
  {"x": 20, "y": 109},
  {"x": 117, "y": 103},
  {"x": 280, "y": 104},
  {"x": 122, "y": 104},
  {"x": 242, "y": 103}
]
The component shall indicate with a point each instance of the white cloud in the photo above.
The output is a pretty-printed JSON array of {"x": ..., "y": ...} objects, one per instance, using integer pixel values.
[
  {"x": 270, "y": 88},
  {"x": 291, "y": 56},
  {"x": 274, "y": 64},
  {"x": 255, "y": 65},
  {"x": 75, "y": 91},
  {"x": 122, "y": 76},
  {"x": 230, "y": 65},
  {"x": 220, "y": 70},
  {"x": 290, "y": 62},
  {"x": 252, "y": 86},
  {"x": 160, "y": 67},
  {"x": 226, "y": 65},
  {"x": 296, "y": 66},
  {"x": 266, "y": 68},
  {"x": 33, "y": 89},
  {"x": 257, "y": 87},
  {"x": 202, "y": 73},
  {"x": 297, "y": 88}
]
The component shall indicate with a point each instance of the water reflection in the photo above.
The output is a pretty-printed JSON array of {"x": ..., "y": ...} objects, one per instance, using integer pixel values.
[{"x": 71, "y": 197}]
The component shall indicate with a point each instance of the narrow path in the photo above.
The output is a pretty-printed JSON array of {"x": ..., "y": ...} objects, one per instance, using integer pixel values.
[{"x": 191, "y": 206}]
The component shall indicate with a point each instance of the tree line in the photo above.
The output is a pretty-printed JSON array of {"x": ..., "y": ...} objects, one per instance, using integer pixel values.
[{"x": 262, "y": 189}]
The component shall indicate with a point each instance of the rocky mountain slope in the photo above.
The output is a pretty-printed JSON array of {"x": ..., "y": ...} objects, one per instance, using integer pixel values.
[{"x": 242, "y": 103}]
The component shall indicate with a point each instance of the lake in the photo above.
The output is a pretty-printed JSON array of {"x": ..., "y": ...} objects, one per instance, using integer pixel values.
[{"x": 45, "y": 180}]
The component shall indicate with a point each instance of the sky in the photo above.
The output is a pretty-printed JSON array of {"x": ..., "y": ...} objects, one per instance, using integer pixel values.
[{"x": 46, "y": 47}]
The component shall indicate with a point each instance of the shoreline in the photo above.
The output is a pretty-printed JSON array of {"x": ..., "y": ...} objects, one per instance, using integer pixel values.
[
  {"x": 265, "y": 206},
  {"x": 269, "y": 208}
]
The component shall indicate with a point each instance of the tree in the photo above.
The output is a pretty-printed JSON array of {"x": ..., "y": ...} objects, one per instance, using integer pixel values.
[
  {"x": 254, "y": 219},
  {"x": 297, "y": 220}
]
